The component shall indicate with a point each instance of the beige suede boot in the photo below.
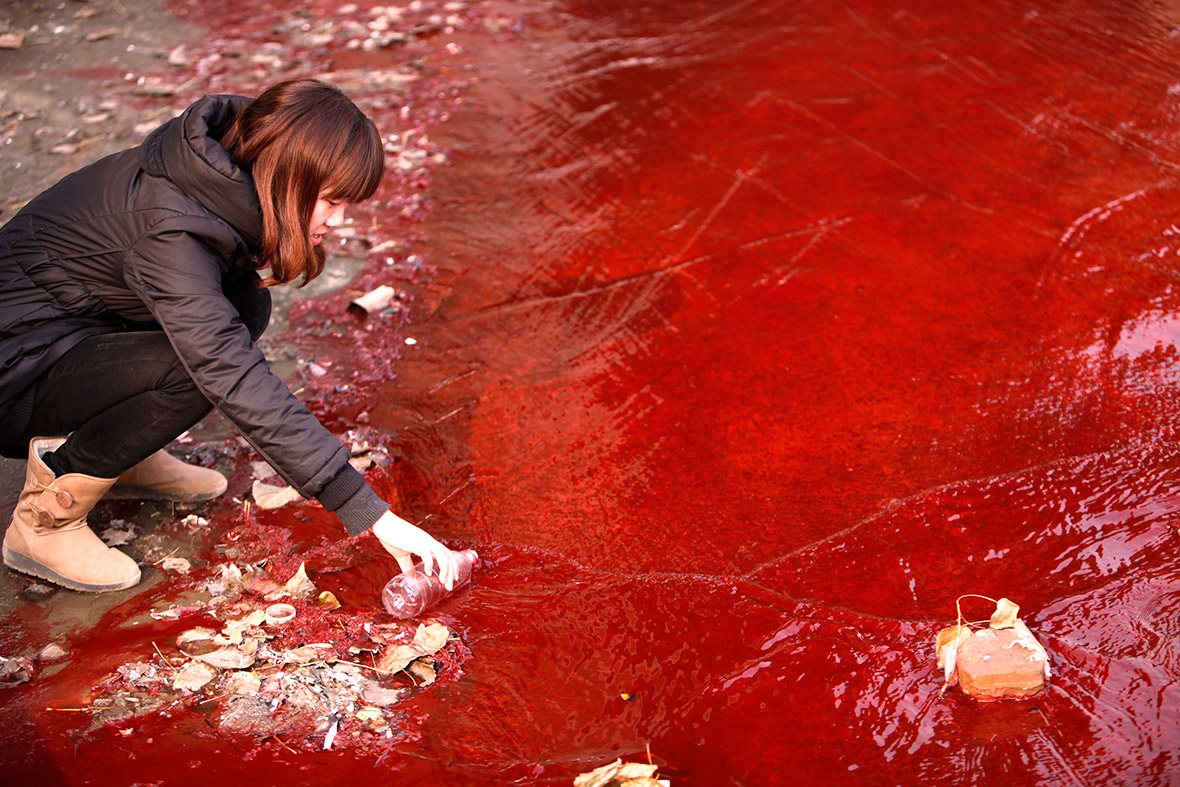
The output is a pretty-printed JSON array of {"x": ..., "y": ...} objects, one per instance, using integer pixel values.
[
  {"x": 164, "y": 477},
  {"x": 49, "y": 538}
]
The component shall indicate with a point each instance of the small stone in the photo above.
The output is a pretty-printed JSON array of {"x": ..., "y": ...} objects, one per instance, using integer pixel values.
[
  {"x": 51, "y": 653},
  {"x": 37, "y": 592},
  {"x": 11, "y": 40},
  {"x": 100, "y": 35}
]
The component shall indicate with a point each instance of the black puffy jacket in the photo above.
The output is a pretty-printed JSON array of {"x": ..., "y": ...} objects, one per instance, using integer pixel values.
[{"x": 161, "y": 234}]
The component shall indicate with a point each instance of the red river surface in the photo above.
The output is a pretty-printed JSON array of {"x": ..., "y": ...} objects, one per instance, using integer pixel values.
[{"x": 747, "y": 337}]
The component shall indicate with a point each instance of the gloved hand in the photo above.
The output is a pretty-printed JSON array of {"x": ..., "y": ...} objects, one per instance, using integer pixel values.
[{"x": 404, "y": 540}]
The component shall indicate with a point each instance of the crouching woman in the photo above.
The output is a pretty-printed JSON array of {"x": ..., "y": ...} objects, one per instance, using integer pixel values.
[{"x": 131, "y": 302}]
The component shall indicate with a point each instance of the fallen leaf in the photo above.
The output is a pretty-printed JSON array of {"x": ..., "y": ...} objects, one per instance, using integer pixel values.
[
  {"x": 327, "y": 600},
  {"x": 194, "y": 635},
  {"x": 115, "y": 537},
  {"x": 234, "y": 629},
  {"x": 262, "y": 470},
  {"x": 376, "y": 695},
  {"x": 255, "y": 582},
  {"x": 301, "y": 655},
  {"x": 299, "y": 585},
  {"x": 427, "y": 641},
  {"x": 423, "y": 673},
  {"x": 620, "y": 774},
  {"x": 268, "y": 496},
  {"x": 173, "y": 613},
  {"x": 947, "y": 647},
  {"x": 1025, "y": 637},
  {"x": 599, "y": 777},
  {"x": 193, "y": 676},
  {"x": 243, "y": 683},
  {"x": 1005, "y": 615},
  {"x": 227, "y": 658},
  {"x": 176, "y": 565}
]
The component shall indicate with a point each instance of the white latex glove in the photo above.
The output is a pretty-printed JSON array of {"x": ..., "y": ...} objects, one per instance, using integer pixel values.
[{"x": 404, "y": 540}]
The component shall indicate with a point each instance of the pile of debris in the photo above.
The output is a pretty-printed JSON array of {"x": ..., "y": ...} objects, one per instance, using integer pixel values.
[{"x": 265, "y": 679}]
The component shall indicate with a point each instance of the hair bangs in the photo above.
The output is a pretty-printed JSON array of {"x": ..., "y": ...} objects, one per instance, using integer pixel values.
[{"x": 356, "y": 173}]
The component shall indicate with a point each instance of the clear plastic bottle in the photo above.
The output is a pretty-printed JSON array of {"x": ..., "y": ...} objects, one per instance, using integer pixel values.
[{"x": 409, "y": 595}]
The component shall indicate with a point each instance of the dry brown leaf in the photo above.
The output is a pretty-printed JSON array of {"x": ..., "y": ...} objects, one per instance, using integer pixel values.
[
  {"x": 194, "y": 635},
  {"x": 268, "y": 496},
  {"x": 193, "y": 676},
  {"x": 227, "y": 658},
  {"x": 299, "y": 585},
  {"x": 599, "y": 777},
  {"x": 428, "y": 640},
  {"x": 621, "y": 774},
  {"x": 1005, "y": 615},
  {"x": 301, "y": 655},
  {"x": 948, "y": 642},
  {"x": 256, "y": 582},
  {"x": 234, "y": 629},
  {"x": 1025, "y": 638},
  {"x": 636, "y": 770},
  {"x": 422, "y": 672},
  {"x": 179, "y": 565}
]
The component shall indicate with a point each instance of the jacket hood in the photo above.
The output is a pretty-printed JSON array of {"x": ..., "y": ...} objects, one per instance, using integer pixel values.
[{"x": 186, "y": 151}]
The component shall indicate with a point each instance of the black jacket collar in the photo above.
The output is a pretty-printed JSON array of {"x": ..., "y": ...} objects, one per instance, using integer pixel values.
[{"x": 186, "y": 151}]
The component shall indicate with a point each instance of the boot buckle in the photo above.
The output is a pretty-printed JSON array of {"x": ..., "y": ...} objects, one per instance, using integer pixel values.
[
  {"x": 44, "y": 518},
  {"x": 64, "y": 498}
]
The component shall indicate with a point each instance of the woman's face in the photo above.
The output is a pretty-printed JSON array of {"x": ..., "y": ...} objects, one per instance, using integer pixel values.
[{"x": 324, "y": 216}]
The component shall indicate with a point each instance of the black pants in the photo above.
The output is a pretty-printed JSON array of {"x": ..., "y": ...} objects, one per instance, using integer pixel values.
[{"x": 121, "y": 397}]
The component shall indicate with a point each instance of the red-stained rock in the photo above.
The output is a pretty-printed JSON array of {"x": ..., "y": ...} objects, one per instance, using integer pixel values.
[{"x": 999, "y": 663}]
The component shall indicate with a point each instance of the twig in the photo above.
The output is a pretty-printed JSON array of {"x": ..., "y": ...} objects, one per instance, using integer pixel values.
[
  {"x": 385, "y": 753},
  {"x": 170, "y": 554},
  {"x": 215, "y": 699},
  {"x": 162, "y": 657},
  {"x": 364, "y": 666},
  {"x": 74, "y": 710},
  {"x": 285, "y": 746}
]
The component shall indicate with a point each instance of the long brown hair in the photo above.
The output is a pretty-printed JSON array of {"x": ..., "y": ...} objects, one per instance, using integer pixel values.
[{"x": 298, "y": 139}]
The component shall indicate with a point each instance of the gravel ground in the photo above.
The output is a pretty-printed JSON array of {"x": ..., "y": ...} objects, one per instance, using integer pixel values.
[{"x": 51, "y": 119}]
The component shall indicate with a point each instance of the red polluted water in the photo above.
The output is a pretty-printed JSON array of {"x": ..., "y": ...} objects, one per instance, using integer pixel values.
[{"x": 747, "y": 338}]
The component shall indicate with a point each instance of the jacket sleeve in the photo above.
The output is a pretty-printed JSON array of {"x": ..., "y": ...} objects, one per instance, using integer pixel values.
[{"x": 178, "y": 276}]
